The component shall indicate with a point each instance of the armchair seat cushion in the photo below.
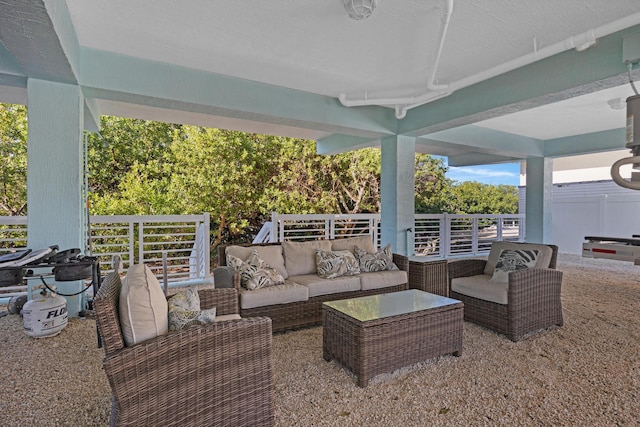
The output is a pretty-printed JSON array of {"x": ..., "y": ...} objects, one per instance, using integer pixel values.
[
  {"x": 482, "y": 287},
  {"x": 272, "y": 295}
]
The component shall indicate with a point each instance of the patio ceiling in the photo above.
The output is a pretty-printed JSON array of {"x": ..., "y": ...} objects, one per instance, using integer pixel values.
[{"x": 517, "y": 78}]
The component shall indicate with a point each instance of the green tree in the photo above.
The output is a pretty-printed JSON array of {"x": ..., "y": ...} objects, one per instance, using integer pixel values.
[
  {"x": 13, "y": 155},
  {"x": 472, "y": 197},
  {"x": 224, "y": 173},
  {"x": 307, "y": 182},
  {"x": 123, "y": 143},
  {"x": 432, "y": 187}
]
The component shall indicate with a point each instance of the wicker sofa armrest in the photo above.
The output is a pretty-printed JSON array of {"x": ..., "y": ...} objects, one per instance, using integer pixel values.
[
  {"x": 225, "y": 300},
  {"x": 203, "y": 375},
  {"x": 466, "y": 267},
  {"x": 401, "y": 261}
]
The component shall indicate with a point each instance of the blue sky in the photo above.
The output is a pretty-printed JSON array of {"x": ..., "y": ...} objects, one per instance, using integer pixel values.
[{"x": 505, "y": 173}]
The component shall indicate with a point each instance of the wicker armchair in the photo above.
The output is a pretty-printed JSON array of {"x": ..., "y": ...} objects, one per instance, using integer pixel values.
[
  {"x": 219, "y": 374},
  {"x": 533, "y": 298}
]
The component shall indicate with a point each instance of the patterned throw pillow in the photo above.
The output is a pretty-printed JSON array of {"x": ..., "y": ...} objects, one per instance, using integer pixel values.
[
  {"x": 188, "y": 300},
  {"x": 332, "y": 264},
  {"x": 255, "y": 273},
  {"x": 184, "y": 310},
  {"x": 380, "y": 261},
  {"x": 513, "y": 260}
]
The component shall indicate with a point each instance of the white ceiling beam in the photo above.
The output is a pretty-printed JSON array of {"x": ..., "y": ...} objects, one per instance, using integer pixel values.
[
  {"x": 562, "y": 76},
  {"x": 608, "y": 140},
  {"x": 336, "y": 144},
  {"x": 488, "y": 141},
  {"x": 115, "y": 77},
  {"x": 475, "y": 159}
]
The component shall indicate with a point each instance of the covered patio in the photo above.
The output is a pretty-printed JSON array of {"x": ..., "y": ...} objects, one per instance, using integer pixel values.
[
  {"x": 479, "y": 84},
  {"x": 585, "y": 373}
]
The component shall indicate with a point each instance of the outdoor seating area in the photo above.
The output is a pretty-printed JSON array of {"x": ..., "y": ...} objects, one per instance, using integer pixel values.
[
  {"x": 416, "y": 179},
  {"x": 572, "y": 375}
]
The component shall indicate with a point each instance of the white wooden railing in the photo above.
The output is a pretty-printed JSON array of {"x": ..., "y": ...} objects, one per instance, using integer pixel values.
[
  {"x": 434, "y": 235},
  {"x": 183, "y": 240}
]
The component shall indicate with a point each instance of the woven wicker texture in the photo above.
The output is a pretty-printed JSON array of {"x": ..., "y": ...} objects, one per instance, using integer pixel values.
[
  {"x": 374, "y": 347},
  {"x": 429, "y": 276},
  {"x": 218, "y": 374},
  {"x": 533, "y": 299}
]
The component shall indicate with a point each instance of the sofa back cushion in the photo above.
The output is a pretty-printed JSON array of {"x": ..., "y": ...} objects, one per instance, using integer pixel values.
[
  {"x": 271, "y": 254},
  {"x": 349, "y": 243},
  {"x": 300, "y": 257},
  {"x": 545, "y": 252}
]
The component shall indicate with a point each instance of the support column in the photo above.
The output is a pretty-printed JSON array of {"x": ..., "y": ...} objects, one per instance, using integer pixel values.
[
  {"x": 398, "y": 193},
  {"x": 539, "y": 200},
  {"x": 55, "y": 173}
]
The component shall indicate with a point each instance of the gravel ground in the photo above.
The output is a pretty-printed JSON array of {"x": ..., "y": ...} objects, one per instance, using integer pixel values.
[{"x": 586, "y": 373}]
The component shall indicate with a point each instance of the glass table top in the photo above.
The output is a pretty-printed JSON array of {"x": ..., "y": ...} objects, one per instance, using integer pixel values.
[{"x": 392, "y": 304}]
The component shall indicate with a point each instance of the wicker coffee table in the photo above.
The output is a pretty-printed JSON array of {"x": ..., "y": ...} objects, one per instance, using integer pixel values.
[{"x": 381, "y": 333}]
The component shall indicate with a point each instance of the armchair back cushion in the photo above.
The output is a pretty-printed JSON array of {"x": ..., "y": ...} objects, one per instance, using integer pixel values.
[
  {"x": 143, "y": 306},
  {"x": 545, "y": 254}
]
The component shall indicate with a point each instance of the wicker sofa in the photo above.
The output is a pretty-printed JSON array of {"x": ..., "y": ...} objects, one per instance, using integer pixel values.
[
  {"x": 526, "y": 300},
  {"x": 298, "y": 302},
  {"x": 219, "y": 374}
]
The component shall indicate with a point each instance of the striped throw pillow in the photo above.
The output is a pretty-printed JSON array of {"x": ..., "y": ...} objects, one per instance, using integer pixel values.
[{"x": 511, "y": 260}]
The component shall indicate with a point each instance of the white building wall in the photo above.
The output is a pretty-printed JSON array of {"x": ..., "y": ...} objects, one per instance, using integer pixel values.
[{"x": 586, "y": 202}]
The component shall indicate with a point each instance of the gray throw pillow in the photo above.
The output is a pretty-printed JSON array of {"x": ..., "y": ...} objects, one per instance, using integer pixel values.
[
  {"x": 332, "y": 264},
  {"x": 379, "y": 261}
]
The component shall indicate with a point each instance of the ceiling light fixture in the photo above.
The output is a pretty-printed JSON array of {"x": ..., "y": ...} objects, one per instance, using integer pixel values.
[
  {"x": 616, "y": 104},
  {"x": 359, "y": 9}
]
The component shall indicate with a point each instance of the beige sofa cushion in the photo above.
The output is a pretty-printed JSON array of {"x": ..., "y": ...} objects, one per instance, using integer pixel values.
[
  {"x": 271, "y": 254},
  {"x": 271, "y": 295},
  {"x": 348, "y": 243},
  {"x": 481, "y": 287},
  {"x": 543, "y": 260},
  {"x": 143, "y": 307},
  {"x": 382, "y": 279},
  {"x": 300, "y": 257},
  {"x": 319, "y": 286}
]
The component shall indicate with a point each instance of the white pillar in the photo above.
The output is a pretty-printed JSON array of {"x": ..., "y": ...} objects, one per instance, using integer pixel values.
[
  {"x": 539, "y": 200},
  {"x": 398, "y": 193},
  {"x": 55, "y": 173}
]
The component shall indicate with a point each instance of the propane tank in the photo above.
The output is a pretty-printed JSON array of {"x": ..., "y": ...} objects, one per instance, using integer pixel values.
[{"x": 45, "y": 315}]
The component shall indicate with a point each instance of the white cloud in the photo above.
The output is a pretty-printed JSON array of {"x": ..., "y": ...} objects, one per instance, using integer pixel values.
[{"x": 489, "y": 173}]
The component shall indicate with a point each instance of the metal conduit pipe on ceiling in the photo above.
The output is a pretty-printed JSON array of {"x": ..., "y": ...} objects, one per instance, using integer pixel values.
[{"x": 579, "y": 42}]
